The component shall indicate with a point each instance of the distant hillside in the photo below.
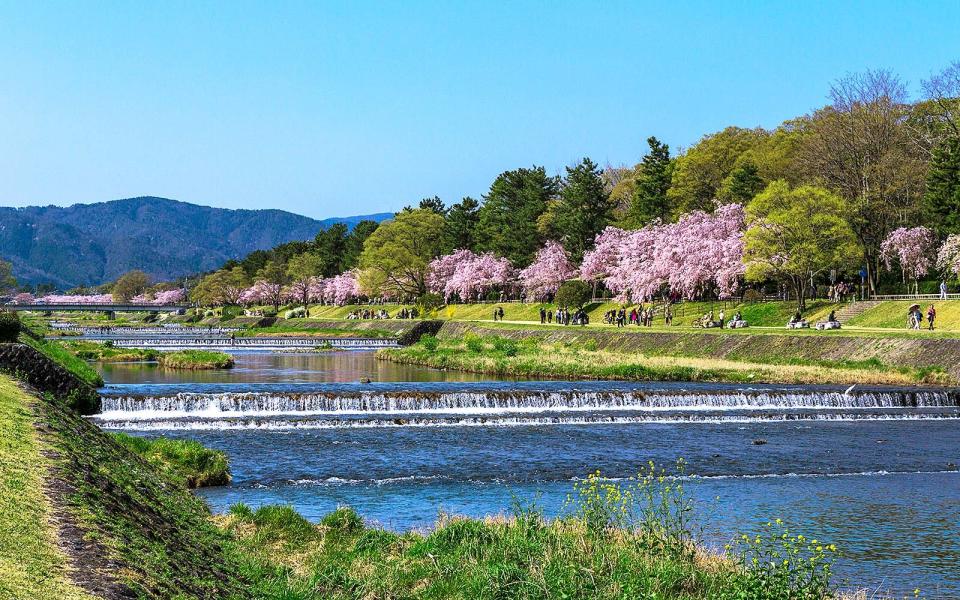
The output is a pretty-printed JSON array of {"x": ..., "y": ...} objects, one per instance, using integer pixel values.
[{"x": 88, "y": 244}]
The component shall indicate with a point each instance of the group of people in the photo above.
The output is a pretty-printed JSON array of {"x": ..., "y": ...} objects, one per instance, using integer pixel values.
[
  {"x": 641, "y": 317},
  {"x": 368, "y": 313},
  {"x": 563, "y": 316},
  {"x": 498, "y": 314},
  {"x": 840, "y": 291},
  {"x": 709, "y": 320},
  {"x": 915, "y": 317}
]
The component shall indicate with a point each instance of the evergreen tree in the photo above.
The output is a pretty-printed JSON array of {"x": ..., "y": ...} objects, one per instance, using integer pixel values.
[
  {"x": 460, "y": 227},
  {"x": 650, "y": 192},
  {"x": 354, "y": 244},
  {"x": 581, "y": 212},
  {"x": 743, "y": 184},
  {"x": 511, "y": 210},
  {"x": 942, "y": 200},
  {"x": 330, "y": 245},
  {"x": 434, "y": 204}
]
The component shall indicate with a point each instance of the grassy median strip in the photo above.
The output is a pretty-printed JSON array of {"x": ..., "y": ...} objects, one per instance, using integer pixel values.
[
  {"x": 31, "y": 564},
  {"x": 531, "y": 358}
]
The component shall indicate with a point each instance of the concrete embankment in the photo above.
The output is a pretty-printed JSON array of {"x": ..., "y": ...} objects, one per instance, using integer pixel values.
[{"x": 739, "y": 346}]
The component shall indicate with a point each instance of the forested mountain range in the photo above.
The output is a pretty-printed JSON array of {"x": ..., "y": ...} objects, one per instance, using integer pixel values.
[{"x": 89, "y": 244}]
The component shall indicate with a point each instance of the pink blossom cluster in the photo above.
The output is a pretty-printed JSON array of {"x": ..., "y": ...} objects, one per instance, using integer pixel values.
[
  {"x": 912, "y": 248},
  {"x": 948, "y": 258},
  {"x": 75, "y": 299},
  {"x": 337, "y": 290},
  {"x": 261, "y": 292},
  {"x": 700, "y": 252},
  {"x": 468, "y": 275},
  {"x": 341, "y": 289},
  {"x": 549, "y": 269},
  {"x": 161, "y": 298},
  {"x": 23, "y": 298}
]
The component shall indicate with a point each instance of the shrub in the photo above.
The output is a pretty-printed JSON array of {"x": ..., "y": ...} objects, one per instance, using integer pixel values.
[
  {"x": 430, "y": 342},
  {"x": 505, "y": 345},
  {"x": 573, "y": 294},
  {"x": 9, "y": 326},
  {"x": 429, "y": 302},
  {"x": 474, "y": 343}
]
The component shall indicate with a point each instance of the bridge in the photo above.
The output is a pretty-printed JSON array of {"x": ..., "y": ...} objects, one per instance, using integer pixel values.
[{"x": 110, "y": 309}]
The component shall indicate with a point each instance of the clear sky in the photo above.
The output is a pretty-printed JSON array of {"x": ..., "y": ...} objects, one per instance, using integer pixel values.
[{"x": 332, "y": 109}]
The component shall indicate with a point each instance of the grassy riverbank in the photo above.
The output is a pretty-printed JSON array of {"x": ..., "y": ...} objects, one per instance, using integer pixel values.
[
  {"x": 128, "y": 528},
  {"x": 31, "y": 563},
  {"x": 535, "y": 358},
  {"x": 614, "y": 540},
  {"x": 195, "y": 359},
  {"x": 191, "y": 461}
]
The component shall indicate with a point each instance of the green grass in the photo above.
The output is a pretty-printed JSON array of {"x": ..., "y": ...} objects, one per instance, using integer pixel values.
[
  {"x": 531, "y": 357},
  {"x": 195, "y": 359},
  {"x": 197, "y": 465},
  {"x": 31, "y": 564},
  {"x": 893, "y": 315},
  {"x": 613, "y": 540},
  {"x": 147, "y": 529},
  {"x": 99, "y": 351},
  {"x": 72, "y": 363}
]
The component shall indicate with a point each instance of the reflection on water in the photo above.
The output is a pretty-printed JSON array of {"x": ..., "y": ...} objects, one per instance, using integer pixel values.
[{"x": 287, "y": 367}]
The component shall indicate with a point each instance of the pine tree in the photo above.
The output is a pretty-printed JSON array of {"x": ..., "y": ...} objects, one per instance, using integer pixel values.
[
  {"x": 460, "y": 227},
  {"x": 942, "y": 200},
  {"x": 650, "y": 194},
  {"x": 511, "y": 210},
  {"x": 581, "y": 212}
]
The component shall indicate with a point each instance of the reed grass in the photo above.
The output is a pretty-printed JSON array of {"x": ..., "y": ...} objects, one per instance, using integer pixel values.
[{"x": 195, "y": 359}]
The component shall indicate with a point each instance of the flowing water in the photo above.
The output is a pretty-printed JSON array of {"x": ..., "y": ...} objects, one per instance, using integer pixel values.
[{"x": 873, "y": 470}]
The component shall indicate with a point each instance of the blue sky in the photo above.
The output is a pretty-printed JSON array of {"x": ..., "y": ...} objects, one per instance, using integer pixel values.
[{"x": 331, "y": 109}]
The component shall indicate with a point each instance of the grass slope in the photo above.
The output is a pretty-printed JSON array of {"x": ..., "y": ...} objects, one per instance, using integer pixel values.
[
  {"x": 69, "y": 361},
  {"x": 31, "y": 564},
  {"x": 130, "y": 523}
]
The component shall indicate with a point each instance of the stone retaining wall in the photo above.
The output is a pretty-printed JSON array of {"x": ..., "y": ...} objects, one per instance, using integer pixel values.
[{"x": 47, "y": 376}]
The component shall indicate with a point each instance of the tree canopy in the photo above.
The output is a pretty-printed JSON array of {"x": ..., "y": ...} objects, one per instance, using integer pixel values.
[{"x": 396, "y": 257}]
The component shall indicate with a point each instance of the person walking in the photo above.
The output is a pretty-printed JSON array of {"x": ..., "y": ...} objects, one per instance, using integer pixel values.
[
  {"x": 668, "y": 316},
  {"x": 722, "y": 316},
  {"x": 500, "y": 311},
  {"x": 943, "y": 290},
  {"x": 549, "y": 317},
  {"x": 543, "y": 315},
  {"x": 931, "y": 316}
]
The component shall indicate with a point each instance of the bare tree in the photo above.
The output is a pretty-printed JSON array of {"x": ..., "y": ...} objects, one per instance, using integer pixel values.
[
  {"x": 943, "y": 91},
  {"x": 861, "y": 147}
]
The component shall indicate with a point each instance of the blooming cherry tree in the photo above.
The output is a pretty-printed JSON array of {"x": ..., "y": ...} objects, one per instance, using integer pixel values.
[
  {"x": 549, "y": 269},
  {"x": 912, "y": 248},
  {"x": 948, "y": 258}
]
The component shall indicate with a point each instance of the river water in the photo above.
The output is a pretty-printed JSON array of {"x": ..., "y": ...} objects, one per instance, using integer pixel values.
[{"x": 872, "y": 470}]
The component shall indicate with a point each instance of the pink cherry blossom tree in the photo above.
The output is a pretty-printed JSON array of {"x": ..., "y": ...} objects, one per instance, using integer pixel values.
[
  {"x": 912, "y": 248},
  {"x": 549, "y": 269},
  {"x": 948, "y": 257}
]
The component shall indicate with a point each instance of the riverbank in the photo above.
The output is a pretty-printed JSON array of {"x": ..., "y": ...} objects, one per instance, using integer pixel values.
[
  {"x": 188, "y": 460},
  {"x": 129, "y": 528},
  {"x": 580, "y": 354}
]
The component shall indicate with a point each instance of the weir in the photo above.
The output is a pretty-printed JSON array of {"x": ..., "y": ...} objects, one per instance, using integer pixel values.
[
  {"x": 253, "y": 343},
  {"x": 373, "y": 408}
]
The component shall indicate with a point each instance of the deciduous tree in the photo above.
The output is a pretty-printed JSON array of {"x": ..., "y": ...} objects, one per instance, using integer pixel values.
[
  {"x": 794, "y": 234},
  {"x": 396, "y": 257}
]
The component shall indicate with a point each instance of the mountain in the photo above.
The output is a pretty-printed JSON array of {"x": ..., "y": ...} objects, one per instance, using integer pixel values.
[{"x": 89, "y": 244}]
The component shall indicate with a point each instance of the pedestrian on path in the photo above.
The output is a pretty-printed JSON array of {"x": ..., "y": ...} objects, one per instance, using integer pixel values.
[{"x": 931, "y": 316}]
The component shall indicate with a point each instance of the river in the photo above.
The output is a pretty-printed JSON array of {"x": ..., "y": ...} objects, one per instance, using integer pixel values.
[{"x": 872, "y": 470}]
